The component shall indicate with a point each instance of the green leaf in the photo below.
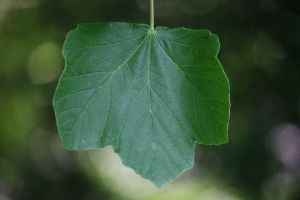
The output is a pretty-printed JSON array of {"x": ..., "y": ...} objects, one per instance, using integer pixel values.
[{"x": 150, "y": 94}]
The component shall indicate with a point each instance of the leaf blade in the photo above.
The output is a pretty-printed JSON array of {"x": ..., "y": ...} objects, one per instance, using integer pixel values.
[{"x": 146, "y": 93}]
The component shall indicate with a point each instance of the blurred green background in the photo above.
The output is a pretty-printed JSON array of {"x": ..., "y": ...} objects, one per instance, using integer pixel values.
[{"x": 260, "y": 53}]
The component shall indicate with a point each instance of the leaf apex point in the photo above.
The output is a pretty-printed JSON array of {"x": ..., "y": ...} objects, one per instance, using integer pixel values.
[{"x": 158, "y": 185}]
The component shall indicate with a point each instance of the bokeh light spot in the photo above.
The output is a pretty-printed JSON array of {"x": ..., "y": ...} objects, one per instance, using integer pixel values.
[
  {"x": 45, "y": 63},
  {"x": 285, "y": 144}
]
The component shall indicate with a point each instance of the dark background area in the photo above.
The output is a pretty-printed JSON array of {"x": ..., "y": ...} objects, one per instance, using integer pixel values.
[{"x": 260, "y": 53}]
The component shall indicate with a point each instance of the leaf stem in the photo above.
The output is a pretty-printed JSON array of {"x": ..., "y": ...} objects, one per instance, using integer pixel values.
[{"x": 152, "y": 14}]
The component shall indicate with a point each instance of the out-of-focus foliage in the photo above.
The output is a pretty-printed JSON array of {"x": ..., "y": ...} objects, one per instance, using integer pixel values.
[{"x": 260, "y": 52}]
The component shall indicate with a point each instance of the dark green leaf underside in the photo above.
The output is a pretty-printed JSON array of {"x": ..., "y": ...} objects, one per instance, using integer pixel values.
[{"x": 149, "y": 94}]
